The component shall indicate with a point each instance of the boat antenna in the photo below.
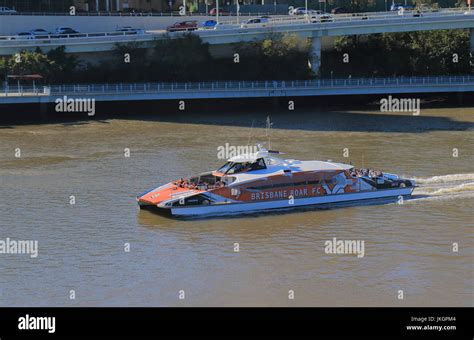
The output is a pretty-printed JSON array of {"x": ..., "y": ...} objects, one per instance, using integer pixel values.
[{"x": 267, "y": 131}]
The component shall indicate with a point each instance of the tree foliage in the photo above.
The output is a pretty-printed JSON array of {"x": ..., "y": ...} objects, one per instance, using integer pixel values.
[
  {"x": 53, "y": 66},
  {"x": 395, "y": 54}
]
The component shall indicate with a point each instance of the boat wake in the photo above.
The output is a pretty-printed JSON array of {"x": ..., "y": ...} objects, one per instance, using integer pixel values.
[
  {"x": 455, "y": 186},
  {"x": 444, "y": 179}
]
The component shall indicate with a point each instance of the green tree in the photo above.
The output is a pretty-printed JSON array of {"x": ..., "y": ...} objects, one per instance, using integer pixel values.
[
  {"x": 27, "y": 62},
  {"x": 277, "y": 57}
]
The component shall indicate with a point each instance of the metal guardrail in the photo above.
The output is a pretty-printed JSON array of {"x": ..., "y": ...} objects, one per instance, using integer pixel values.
[
  {"x": 52, "y": 36},
  {"x": 131, "y": 88},
  {"x": 133, "y": 14},
  {"x": 177, "y": 13},
  {"x": 357, "y": 17}
]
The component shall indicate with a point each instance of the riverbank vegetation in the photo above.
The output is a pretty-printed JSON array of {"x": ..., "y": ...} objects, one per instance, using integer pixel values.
[
  {"x": 400, "y": 54},
  {"x": 279, "y": 57}
]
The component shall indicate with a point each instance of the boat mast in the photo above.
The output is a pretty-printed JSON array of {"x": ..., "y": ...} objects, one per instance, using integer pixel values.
[{"x": 267, "y": 132}]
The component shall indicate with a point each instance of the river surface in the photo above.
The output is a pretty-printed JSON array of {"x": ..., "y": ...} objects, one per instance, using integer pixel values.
[{"x": 408, "y": 246}]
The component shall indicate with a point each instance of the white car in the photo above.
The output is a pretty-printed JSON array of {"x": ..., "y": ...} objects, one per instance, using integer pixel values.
[
  {"x": 24, "y": 36},
  {"x": 7, "y": 10},
  {"x": 39, "y": 31},
  {"x": 256, "y": 22}
]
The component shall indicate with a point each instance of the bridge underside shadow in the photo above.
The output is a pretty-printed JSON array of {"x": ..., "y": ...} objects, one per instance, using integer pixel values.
[{"x": 309, "y": 114}]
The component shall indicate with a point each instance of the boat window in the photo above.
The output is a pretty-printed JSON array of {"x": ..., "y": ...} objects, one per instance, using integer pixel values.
[
  {"x": 239, "y": 167},
  {"x": 259, "y": 164},
  {"x": 223, "y": 169},
  {"x": 236, "y": 167}
]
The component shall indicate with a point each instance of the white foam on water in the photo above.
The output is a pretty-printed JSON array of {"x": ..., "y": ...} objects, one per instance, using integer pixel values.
[
  {"x": 443, "y": 178},
  {"x": 445, "y": 190},
  {"x": 415, "y": 199},
  {"x": 446, "y": 187}
]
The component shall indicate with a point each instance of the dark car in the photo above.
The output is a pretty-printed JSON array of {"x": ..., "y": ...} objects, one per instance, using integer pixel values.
[
  {"x": 66, "y": 30},
  {"x": 340, "y": 10},
  {"x": 189, "y": 25}
]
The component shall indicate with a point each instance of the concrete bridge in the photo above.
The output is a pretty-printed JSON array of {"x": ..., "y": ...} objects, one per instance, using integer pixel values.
[
  {"x": 237, "y": 89},
  {"x": 232, "y": 32}
]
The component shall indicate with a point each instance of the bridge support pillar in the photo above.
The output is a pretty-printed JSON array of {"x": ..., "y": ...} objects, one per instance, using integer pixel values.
[
  {"x": 315, "y": 54},
  {"x": 471, "y": 39}
]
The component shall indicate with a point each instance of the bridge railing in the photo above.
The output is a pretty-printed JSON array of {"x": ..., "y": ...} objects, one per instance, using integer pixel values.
[
  {"x": 133, "y": 14},
  {"x": 197, "y": 14},
  {"x": 357, "y": 17},
  {"x": 235, "y": 86},
  {"x": 75, "y": 36}
]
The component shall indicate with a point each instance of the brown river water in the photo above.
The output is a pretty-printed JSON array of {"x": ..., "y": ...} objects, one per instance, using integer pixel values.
[{"x": 81, "y": 246}]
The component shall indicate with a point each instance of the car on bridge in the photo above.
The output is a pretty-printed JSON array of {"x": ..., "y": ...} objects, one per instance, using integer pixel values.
[
  {"x": 39, "y": 32},
  {"x": 130, "y": 30},
  {"x": 183, "y": 26},
  {"x": 255, "y": 22},
  {"x": 321, "y": 18},
  {"x": 66, "y": 30},
  {"x": 7, "y": 10},
  {"x": 23, "y": 36},
  {"x": 209, "y": 24}
]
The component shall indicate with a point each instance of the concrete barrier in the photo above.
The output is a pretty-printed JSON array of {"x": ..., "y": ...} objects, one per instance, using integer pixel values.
[{"x": 12, "y": 24}]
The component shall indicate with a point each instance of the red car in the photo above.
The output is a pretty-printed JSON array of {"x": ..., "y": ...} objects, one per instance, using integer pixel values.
[
  {"x": 190, "y": 25},
  {"x": 221, "y": 12}
]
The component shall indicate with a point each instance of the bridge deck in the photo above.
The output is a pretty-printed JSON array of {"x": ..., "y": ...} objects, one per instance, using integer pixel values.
[{"x": 238, "y": 89}]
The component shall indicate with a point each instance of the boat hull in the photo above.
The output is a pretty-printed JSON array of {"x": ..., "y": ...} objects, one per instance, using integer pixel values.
[{"x": 233, "y": 208}]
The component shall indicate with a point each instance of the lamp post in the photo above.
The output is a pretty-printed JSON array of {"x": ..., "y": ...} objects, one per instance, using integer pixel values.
[
  {"x": 238, "y": 11},
  {"x": 217, "y": 12},
  {"x": 306, "y": 15}
]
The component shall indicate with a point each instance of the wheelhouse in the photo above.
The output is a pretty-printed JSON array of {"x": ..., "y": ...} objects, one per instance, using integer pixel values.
[{"x": 235, "y": 167}]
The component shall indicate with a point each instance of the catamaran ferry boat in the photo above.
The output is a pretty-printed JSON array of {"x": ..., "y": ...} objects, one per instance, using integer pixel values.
[{"x": 261, "y": 181}]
